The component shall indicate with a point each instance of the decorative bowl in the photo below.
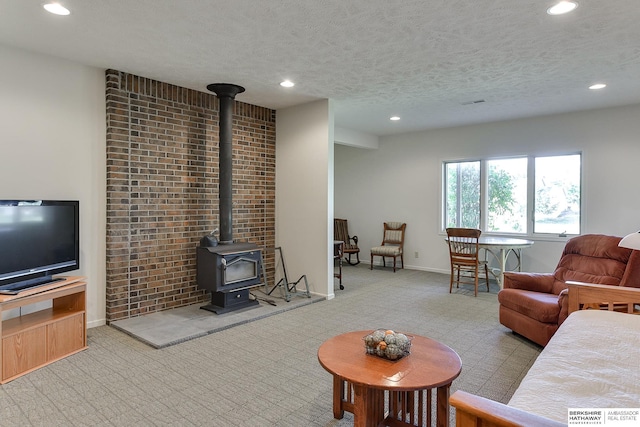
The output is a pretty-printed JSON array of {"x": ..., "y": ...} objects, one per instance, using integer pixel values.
[{"x": 387, "y": 344}]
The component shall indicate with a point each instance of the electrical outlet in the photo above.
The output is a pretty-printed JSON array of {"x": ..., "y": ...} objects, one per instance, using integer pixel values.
[{"x": 416, "y": 255}]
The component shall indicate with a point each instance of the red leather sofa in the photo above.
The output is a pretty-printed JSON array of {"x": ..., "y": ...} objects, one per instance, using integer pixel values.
[{"x": 534, "y": 305}]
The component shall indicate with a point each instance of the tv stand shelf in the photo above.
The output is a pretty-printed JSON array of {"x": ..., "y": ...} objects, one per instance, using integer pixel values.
[{"x": 33, "y": 340}]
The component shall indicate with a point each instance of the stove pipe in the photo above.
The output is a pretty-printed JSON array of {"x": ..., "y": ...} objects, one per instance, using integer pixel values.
[{"x": 226, "y": 93}]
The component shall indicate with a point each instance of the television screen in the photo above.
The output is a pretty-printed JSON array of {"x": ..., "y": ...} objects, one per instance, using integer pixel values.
[{"x": 38, "y": 238}]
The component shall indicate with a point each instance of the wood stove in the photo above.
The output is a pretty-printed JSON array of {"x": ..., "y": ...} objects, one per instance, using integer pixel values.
[
  {"x": 228, "y": 271},
  {"x": 225, "y": 268}
]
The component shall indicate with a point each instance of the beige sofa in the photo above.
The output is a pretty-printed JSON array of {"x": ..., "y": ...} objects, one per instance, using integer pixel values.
[{"x": 591, "y": 362}]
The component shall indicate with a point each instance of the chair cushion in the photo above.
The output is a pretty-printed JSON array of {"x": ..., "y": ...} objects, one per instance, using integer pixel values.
[
  {"x": 537, "y": 305},
  {"x": 387, "y": 250},
  {"x": 393, "y": 236},
  {"x": 592, "y": 258}
]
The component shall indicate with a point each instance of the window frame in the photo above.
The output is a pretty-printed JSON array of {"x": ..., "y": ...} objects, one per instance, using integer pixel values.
[{"x": 530, "y": 208}]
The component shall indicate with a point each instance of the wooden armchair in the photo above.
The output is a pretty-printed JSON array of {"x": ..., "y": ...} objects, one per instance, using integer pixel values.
[
  {"x": 350, "y": 247},
  {"x": 392, "y": 244}
]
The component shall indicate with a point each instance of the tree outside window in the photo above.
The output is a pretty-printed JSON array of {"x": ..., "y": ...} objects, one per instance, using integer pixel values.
[
  {"x": 507, "y": 190},
  {"x": 463, "y": 194},
  {"x": 500, "y": 204}
]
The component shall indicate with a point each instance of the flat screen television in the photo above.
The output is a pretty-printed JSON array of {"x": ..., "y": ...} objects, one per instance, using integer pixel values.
[{"x": 38, "y": 238}]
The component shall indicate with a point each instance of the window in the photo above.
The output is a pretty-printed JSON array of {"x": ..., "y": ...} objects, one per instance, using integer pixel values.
[
  {"x": 507, "y": 195},
  {"x": 463, "y": 194},
  {"x": 521, "y": 195},
  {"x": 557, "y": 195}
]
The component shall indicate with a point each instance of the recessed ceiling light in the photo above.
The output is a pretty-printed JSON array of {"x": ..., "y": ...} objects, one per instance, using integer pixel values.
[
  {"x": 597, "y": 86},
  {"x": 562, "y": 7},
  {"x": 287, "y": 83},
  {"x": 56, "y": 8},
  {"x": 394, "y": 118}
]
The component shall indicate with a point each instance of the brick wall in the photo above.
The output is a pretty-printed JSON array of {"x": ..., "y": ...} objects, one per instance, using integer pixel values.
[{"x": 162, "y": 189}]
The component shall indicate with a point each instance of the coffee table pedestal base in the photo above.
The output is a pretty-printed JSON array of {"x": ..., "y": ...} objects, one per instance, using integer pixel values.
[{"x": 376, "y": 407}]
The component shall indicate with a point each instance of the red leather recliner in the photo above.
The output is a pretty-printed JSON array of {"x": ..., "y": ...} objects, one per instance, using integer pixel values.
[{"x": 534, "y": 305}]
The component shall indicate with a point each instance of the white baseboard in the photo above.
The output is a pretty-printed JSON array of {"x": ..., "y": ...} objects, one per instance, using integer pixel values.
[{"x": 96, "y": 323}]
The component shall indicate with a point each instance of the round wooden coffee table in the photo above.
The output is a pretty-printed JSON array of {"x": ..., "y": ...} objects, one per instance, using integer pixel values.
[{"x": 376, "y": 390}]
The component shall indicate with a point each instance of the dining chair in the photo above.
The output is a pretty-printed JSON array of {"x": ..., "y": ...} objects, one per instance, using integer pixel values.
[
  {"x": 465, "y": 260},
  {"x": 392, "y": 244}
]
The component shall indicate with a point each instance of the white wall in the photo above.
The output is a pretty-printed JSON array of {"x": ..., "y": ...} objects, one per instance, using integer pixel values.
[
  {"x": 401, "y": 181},
  {"x": 355, "y": 138},
  {"x": 52, "y": 146},
  {"x": 304, "y": 192}
]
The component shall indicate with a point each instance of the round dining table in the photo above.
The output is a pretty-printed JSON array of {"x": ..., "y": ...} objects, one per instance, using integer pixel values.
[{"x": 500, "y": 248}]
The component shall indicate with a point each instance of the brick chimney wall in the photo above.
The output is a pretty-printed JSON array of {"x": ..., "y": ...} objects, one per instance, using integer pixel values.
[{"x": 162, "y": 189}]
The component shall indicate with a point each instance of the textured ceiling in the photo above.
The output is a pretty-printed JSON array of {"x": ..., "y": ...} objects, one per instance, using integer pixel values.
[{"x": 423, "y": 60}]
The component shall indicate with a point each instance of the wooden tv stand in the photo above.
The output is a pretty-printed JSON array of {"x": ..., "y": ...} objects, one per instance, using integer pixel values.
[{"x": 33, "y": 340}]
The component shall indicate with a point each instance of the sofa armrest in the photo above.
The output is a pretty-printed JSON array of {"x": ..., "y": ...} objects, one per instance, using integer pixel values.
[
  {"x": 537, "y": 282},
  {"x": 476, "y": 411},
  {"x": 590, "y": 295}
]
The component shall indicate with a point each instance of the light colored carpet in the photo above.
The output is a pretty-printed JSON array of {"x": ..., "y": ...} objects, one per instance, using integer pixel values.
[{"x": 266, "y": 372}]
